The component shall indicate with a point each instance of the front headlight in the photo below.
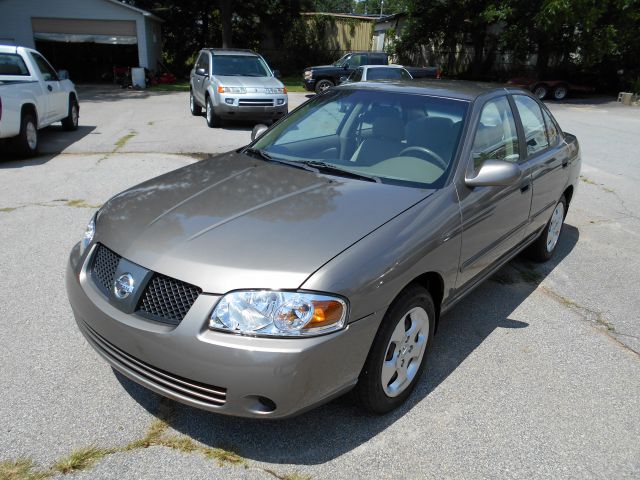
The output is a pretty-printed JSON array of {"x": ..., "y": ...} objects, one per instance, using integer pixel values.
[
  {"x": 232, "y": 90},
  {"x": 308, "y": 74},
  {"x": 275, "y": 313},
  {"x": 89, "y": 232}
]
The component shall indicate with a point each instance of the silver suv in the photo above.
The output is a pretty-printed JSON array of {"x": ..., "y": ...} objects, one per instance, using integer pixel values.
[{"x": 235, "y": 84}]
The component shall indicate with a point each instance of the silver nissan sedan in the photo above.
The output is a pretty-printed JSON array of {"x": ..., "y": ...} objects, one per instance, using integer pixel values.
[{"x": 321, "y": 257}]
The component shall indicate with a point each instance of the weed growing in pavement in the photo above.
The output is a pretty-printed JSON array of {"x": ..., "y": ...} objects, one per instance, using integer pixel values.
[{"x": 22, "y": 469}]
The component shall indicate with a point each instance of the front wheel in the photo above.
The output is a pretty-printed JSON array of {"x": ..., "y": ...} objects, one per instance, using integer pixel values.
[
  {"x": 196, "y": 110},
  {"x": 545, "y": 246},
  {"x": 213, "y": 120},
  {"x": 71, "y": 121},
  {"x": 26, "y": 143},
  {"x": 323, "y": 85},
  {"x": 397, "y": 357}
]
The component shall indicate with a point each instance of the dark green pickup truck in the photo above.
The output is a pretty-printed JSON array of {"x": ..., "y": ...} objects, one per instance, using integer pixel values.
[{"x": 322, "y": 77}]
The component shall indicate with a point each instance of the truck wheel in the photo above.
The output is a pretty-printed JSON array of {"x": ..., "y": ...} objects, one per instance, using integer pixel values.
[
  {"x": 397, "y": 357},
  {"x": 541, "y": 91},
  {"x": 26, "y": 143},
  {"x": 71, "y": 121},
  {"x": 323, "y": 85},
  {"x": 213, "y": 120},
  {"x": 196, "y": 110},
  {"x": 560, "y": 92}
]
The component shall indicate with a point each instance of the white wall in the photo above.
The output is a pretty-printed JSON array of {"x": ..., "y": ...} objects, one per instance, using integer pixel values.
[{"x": 15, "y": 21}]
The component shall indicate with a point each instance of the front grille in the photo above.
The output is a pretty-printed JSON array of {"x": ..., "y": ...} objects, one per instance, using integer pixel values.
[
  {"x": 103, "y": 268},
  {"x": 180, "y": 386},
  {"x": 167, "y": 300},
  {"x": 255, "y": 102}
]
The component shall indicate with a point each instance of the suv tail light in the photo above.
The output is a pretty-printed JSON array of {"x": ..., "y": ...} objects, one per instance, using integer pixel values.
[{"x": 438, "y": 73}]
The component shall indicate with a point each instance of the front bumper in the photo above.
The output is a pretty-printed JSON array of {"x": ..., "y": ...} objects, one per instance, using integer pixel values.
[
  {"x": 251, "y": 106},
  {"x": 216, "y": 371}
]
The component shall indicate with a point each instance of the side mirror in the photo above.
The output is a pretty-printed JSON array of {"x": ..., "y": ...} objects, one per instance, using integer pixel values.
[
  {"x": 343, "y": 79},
  {"x": 202, "y": 72},
  {"x": 495, "y": 173},
  {"x": 258, "y": 130},
  {"x": 277, "y": 74},
  {"x": 346, "y": 66}
]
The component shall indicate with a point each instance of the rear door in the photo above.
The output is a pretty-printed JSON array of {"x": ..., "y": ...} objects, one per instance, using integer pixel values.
[
  {"x": 57, "y": 104},
  {"x": 546, "y": 156},
  {"x": 494, "y": 218}
]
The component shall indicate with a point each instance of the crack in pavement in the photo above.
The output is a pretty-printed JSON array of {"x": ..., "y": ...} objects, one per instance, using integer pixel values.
[{"x": 61, "y": 202}]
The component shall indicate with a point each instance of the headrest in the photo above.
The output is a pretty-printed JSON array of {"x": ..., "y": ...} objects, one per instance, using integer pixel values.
[{"x": 388, "y": 128}]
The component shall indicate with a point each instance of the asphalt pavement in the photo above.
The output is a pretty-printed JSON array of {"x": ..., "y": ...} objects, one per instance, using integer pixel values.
[{"x": 534, "y": 375}]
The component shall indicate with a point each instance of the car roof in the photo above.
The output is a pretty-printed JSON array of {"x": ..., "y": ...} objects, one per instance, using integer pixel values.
[
  {"x": 232, "y": 51},
  {"x": 458, "y": 89},
  {"x": 381, "y": 66}
]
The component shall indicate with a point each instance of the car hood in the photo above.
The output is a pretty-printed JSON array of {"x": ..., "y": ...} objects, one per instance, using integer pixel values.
[
  {"x": 249, "y": 82},
  {"x": 325, "y": 68},
  {"x": 234, "y": 222}
]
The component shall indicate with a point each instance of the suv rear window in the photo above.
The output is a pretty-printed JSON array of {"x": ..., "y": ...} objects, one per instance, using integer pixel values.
[
  {"x": 240, "y": 66},
  {"x": 12, "y": 64}
]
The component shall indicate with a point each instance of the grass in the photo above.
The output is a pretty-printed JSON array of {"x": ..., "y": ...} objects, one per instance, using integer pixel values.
[
  {"x": 80, "y": 459},
  {"x": 122, "y": 141},
  {"x": 22, "y": 469},
  {"x": 293, "y": 84}
]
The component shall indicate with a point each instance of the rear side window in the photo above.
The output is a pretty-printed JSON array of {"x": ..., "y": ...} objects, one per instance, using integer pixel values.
[
  {"x": 496, "y": 136},
  {"x": 377, "y": 59},
  {"x": 534, "y": 128},
  {"x": 552, "y": 130},
  {"x": 47, "y": 71},
  {"x": 12, "y": 64},
  {"x": 386, "y": 74}
]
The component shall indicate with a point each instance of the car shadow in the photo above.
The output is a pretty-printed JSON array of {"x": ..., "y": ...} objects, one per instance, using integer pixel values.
[
  {"x": 53, "y": 140},
  {"x": 331, "y": 430}
]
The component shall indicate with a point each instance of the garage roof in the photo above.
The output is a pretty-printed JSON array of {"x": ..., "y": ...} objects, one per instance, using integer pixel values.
[{"x": 136, "y": 9}]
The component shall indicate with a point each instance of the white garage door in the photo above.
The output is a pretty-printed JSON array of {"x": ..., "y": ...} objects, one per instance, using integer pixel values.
[{"x": 114, "y": 32}]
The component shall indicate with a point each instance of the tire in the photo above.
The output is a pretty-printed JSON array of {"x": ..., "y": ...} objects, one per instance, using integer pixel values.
[
  {"x": 70, "y": 123},
  {"x": 213, "y": 120},
  {"x": 381, "y": 387},
  {"x": 196, "y": 110},
  {"x": 560, "y": 92},
  {"x": 323, "y": 85},
  {"x": 545, "y": 245},
  {"x": 541, "y": 91},
  {"x": 26, "y": 143}
]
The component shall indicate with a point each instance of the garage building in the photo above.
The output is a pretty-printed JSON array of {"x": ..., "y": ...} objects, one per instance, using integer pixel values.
[{"x": 86, "y": 37}]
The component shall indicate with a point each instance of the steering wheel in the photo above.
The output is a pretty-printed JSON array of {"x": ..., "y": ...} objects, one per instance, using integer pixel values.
[{"x": 433, "y": 156}]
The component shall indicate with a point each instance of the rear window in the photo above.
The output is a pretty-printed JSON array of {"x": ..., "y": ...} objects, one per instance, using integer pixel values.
[
  {"x": 387, "y": 74},
  {"x": 12, "y": 64}
]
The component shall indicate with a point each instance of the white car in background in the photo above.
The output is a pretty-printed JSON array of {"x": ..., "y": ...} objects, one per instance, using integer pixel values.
[
  {"x": 32, "y": 96},
  {"x": 377, "y": 72}
]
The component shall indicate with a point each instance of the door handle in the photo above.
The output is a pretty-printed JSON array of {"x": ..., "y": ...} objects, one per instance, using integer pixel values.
[
  {"x": 525, "y": 187},
  {"x": 50, "y": 88},
  {"x": 565, "y": 163}
]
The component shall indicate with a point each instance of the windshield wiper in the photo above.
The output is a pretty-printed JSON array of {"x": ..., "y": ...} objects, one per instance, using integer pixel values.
[
  {"x": 257, "y": 152},
  {"x": 330, "y": 168}
]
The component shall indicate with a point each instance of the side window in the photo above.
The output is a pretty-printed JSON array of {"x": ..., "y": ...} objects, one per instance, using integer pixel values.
[
  {"x": 205, "y": 62},
  {"x": 533, "y": 124},
  {"x": 376, "y": 59},
  {"x": 356, "y": 61},
  {"x": 496, "y": 135},
  {"x": 405, "y": 75},
  {"x": 47, "y": 71},
  {"x": 552, "y": 129}
]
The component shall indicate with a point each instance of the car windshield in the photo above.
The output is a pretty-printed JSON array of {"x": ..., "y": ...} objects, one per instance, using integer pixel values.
[
  {"x": 342, "y": 60},
  {"x": 240, "y": 66},
  {"x": 392, "y": 137}
]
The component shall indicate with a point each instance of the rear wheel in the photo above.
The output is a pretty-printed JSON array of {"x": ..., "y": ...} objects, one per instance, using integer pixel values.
[
  {"x": 26, "y": 143},
  {"x": 196, "y": 110},
  {"x": 71, "y": 121},
  {"x": 545, "y": 246},
  {"x": 560, "y": 92},
  {"x": 541, "y": 91},
  {"x": 213, "y": 120},
  {"x": 323, "y": 85},
  {"x": 397, "y": 357}
]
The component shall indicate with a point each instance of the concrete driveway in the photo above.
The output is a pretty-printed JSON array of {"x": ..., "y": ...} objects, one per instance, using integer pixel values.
[{"x": 534, "y": 375}]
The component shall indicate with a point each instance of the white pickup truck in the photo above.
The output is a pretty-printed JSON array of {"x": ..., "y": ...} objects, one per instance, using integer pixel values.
[{"x": 32, "y": 96}]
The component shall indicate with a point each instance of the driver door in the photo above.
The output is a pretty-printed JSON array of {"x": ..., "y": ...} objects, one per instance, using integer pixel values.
[{"x": 494, "y": 218}]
